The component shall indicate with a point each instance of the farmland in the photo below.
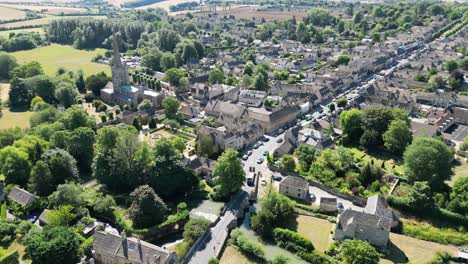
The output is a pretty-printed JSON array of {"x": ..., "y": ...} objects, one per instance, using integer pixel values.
[
  {"x": 249, "y": 12},
  {"x": 7, "y": 13},
  {"x": 38, "y": 22},
  {"x": 54, "y": 56},
  {"x": 6, "y": 33},
  {"x": 51, "y": 10}
]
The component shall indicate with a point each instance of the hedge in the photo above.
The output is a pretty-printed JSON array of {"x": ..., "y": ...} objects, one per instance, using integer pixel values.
[
  {"x": 439, "y": 235},
  {"x": 10, "y": 258},
  {"x": 292, "y": 241},
  {"x": 3, "y": 210},
  {"x": 247, "y": 246},
  {"x": 314, "y": 258}
]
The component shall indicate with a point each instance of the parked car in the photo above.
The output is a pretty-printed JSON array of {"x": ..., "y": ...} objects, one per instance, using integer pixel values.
[
  {"x": 264, "y": 182},
  {"x": 260, "y": 160},
  {"x": 245, "y": 157},
  {"x": 340, "y": 207},
  {"x": 279, "y": 140},
  {"x": 358, "y": 203},
  {"x": 265, "y": 153},
  {"x": 280, "y": 131},
  {"x": 256, "y": 146},
  {"x": 277, "y": 177},
  {"x": 249, "y": 152},
  {"x": 33, "y": 218},
  {"x": 265, "y": 139},
  {"x": 260, "y": 143},
  {"x": 312, "y": 197}
]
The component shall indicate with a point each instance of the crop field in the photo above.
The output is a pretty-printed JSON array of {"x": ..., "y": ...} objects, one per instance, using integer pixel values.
[
  {"x": 6, "y": 33},
  {"x": 7, "y": 13},
  {"x": 165, "y": 4},
  {"x": 38, "y": 1},
  {"x": 41, "y": 21},
  {"x": 250, "y": 12},
  {"x": 54, "y": 56},
  {"x": 51, "y": 10}
]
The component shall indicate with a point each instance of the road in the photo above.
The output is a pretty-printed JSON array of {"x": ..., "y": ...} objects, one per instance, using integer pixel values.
[{"x": 212, "y": 244}]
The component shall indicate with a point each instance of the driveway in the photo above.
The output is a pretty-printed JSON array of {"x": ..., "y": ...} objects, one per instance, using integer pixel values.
[{"x": 322, "y": 193}]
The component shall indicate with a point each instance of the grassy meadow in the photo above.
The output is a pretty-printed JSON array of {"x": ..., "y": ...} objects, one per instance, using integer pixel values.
[
  {"x": 6, "y": 33},
  {"x": 54, "y": 56}
]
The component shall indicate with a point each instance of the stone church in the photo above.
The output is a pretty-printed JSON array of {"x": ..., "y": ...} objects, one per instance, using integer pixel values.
[{"x": 119, "y": 91}]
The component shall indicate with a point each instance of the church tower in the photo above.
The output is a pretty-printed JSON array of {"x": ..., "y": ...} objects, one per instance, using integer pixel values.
[{"x": 119, "y": 69}]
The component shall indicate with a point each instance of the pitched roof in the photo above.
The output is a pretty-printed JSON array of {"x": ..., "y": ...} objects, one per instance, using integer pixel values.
[
  {"x": 349, "y": 217},
  {"x": 21, "y": 196},
  {"x": 294, "y": 181},
  {"x": 377, "y": 205},
  {"x": 132, "y": 249},
  {"x": 43, "y": 217}
]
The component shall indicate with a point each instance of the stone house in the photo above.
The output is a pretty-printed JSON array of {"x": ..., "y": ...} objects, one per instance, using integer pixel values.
[
  {"x": 294, "y": 186},
  {"x": 366, "y": 227},
  {"x": 114, "y": 249},
  {"x": 377, "y": 205},
  {"x": 22, "y": 197},
  {"x": 237, "y": 135}
]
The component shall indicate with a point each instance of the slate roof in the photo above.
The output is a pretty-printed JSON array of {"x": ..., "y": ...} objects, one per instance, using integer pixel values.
[
  {"x": 43, "y": 218},
  {"x": 132, "y": 249},
  {"x": 296, "y": 182},
  {"x": 377, "y": 205},
  {"x": 21, "y": 196},
  {"x": 350, "y": 217}
]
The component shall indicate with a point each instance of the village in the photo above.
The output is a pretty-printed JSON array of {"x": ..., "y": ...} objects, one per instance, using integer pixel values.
[{"x": 243, "y": 144}]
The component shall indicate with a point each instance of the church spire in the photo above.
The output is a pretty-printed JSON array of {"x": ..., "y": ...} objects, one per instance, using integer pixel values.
[{"x": 115, "y": 46}]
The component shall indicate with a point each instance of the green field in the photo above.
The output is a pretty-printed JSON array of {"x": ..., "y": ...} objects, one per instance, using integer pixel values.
[
  {"x": 316, "y": 230},
  {"x": 6, "y": 33},
  {"x": 389, "y": 162},
  {"x": 54, "y": 56}
]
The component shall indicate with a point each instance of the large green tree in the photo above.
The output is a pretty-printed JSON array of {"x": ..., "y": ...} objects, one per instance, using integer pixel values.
[
  {"x": 428, "y": 159},
  {"x": 7, "y": 63},
  {"x": 230, "y": 172},
  {"x": 146, "y": 208},
  {"x": 216, "y": 76},
  {"x": 276, "y": 211},
  {"x": 397, "y": 137},
  {"x": 351, "y": 123},
  {"x": 358, "y": 252},
  {"x": 57, "y": 245},
  {"x": 14, "y": 165},
  {"x": 459, "y": 196},
  {"x": 41, "y": 181},
  {"x": 171, "y": 106},
  {"x": 306, "y": 155}
]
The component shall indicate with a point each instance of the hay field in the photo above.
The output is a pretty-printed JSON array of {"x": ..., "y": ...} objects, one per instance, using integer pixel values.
[
  {"x": 42, "y": 21},
  {"x": 6, "y": 33},
  {"x": 51, "y": 10},
  {"x": 7, "y": 13},
  {"x": 250, "y": 12}
]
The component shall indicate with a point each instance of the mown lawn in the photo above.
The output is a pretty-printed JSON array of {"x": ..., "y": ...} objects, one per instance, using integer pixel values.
[
  {"x": 417, "y": 251},
  {"x": 54, "y": 56},
  {"x": 6, "y": 33},
  {"x": 15, "y": 119},
  {"x": 316, "y": 230},
  {"x": 232, "y": 255}
]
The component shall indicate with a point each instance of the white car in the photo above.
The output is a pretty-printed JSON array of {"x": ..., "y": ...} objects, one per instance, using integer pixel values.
[{"x": 264, "y": 182}]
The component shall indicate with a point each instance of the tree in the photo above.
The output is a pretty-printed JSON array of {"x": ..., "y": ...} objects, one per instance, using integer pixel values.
[
  {"x": 451, "y": 66},
  {"x": 358, "y": 252},
  {"x": 174, "y": 75},
  {"x": 96, "y": 82},
  {"x": 14, "y": 165},
  {"x": 171, "y": 106},
  {"x": 280, "y": 259},
  {"x": 178, "y": 144},
  {"x": 62, "y": 216},
  {"x": 459, "y": 196},
  {"x": 342, "y": 102},
  {"x": 420, "y": 196},
  {"x": 7, "y": 64},
  {"x": 287, "y": 163},
  {"x": 41, "y": 179},
  {"x": 168, "y": 39},
  {"x": 152, "y": 59},
  {"x": 68, "y": 194},
  {"x": 306, "y": 155},
  {"x": 167, "y": 61},
  {"x": 18, "y": 93},
  {"x": 43, "y": 86},
  {"x": 168, "y": 176},
  {"x": 319, "y": 17},
  {"x": 340, "y": 27},
  {"x": 351, "y": 122},
  {"x": 216, "y": 76},
  {"x": 230, "y": 172},
  {"x": 27, "y": 70},
  {"x": 370, "y": 139},
  {"x": 397, "y": 137},
  {"x": 66, "y": 94},
  {"x": 205, "y": 145},
  {"x": 146, "y": 208},
  {"x": 76, "y": 117},
  {"x": 427, "y": 159},
  {"x": 80, "y": 83},
  {"x": 194, "y": 229},
  {"x": 80, "y": 144},
  {"x": 259, "y": 82},
  {"x": 343, "y": 59},
  {"x": 152, "y": 123},
  {"x": 276, "y": 210},
  {"x": 61, "y": 164},
  {"x": 145, "y": 105},
  {"x": 53, "y": 245}
]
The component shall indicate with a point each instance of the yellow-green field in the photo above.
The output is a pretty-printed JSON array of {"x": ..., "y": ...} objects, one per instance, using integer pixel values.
[
  {"x": 51, "y": 10},
  {"x": 54, "y": 56},
  {"x": 316, "y": 230},
  {"x": 417, "y": 251},
  {"x": 12, "y": 118},
  {"x": 6, "y": 33},
  {"x": 232, "y": 255}
]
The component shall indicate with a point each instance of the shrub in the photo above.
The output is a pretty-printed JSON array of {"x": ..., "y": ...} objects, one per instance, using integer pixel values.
[
  {"x": 194, "y": 229},
  {"x": 89, "y": 97},
  {"x": 213, "y": 260},
  {"x": 292, "y": 241},
  {"x": 247, "y": 246},
  {"x": 314, "y": 258},
  {"x": 439, "y": 235},
  {"x": 10, "y": 258},
  {"x": 181, "y": 250}
]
